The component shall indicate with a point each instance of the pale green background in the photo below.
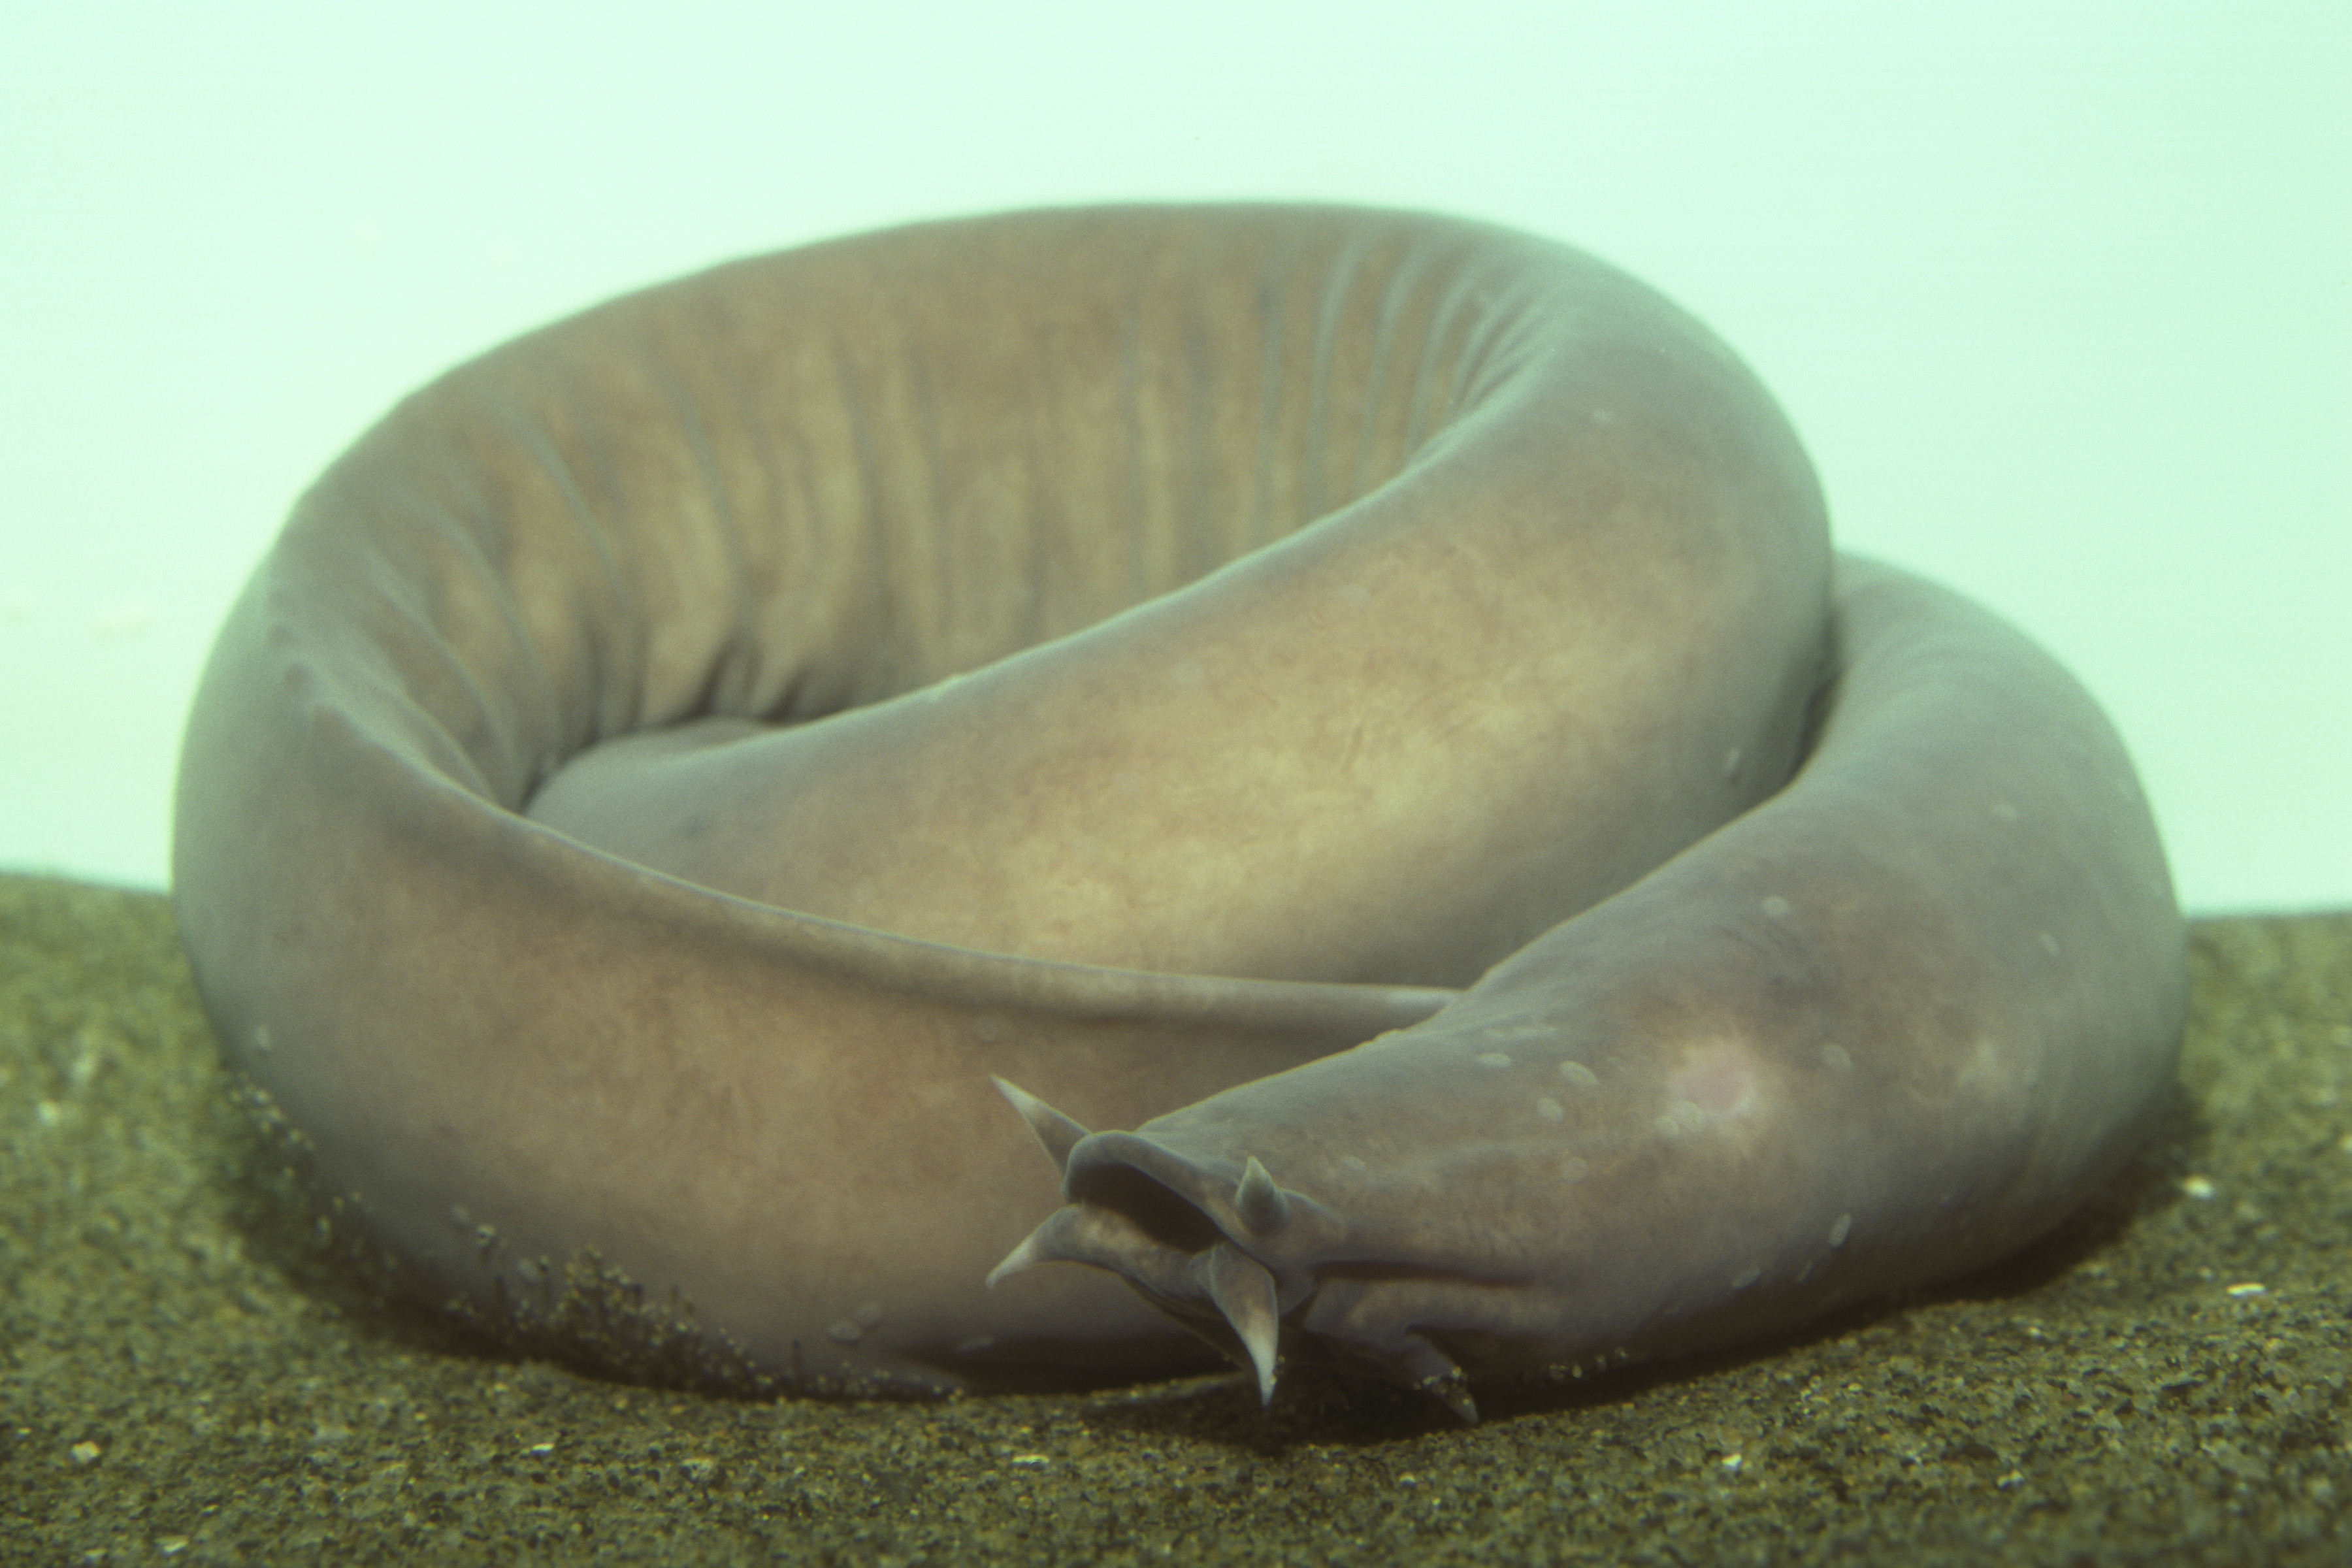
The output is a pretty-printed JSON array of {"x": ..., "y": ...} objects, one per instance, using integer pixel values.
[{"x": 2060, "y": 294}]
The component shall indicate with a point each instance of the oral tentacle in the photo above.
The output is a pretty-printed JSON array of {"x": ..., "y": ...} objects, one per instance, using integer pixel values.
[
  {"x": 1262, "y": 1206},
  {"x": 1243, "y": 1293},
  {"x": 1101, "y": 1238},
  {"x": 1056, "y": 1133},
  {"x": 1420, "y": 1366}
]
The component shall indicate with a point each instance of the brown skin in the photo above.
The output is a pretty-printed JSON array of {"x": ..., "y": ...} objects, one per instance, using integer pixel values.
[{"x": 1343, "y": 601}]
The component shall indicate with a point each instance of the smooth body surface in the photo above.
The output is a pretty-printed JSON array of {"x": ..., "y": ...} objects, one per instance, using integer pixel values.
[{"x": 668, "y": 765}]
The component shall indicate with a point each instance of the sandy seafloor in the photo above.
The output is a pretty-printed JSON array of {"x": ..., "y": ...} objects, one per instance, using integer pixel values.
[{"x": 184, "y": 1379}]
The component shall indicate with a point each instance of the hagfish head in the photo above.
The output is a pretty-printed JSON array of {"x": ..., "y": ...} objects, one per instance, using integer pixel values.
[{"x": 1220, "y": 1246}]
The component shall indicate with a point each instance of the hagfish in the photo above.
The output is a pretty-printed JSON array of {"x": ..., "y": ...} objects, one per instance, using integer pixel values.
[{"x": 1365, "y": 700}]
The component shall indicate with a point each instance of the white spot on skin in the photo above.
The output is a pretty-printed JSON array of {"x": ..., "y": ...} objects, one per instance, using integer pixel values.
[
  {"x": 261, "y": 1039},
  {"x": 1573, "y": 1169},
  {"x": 1581, "y": 1076},
  {"x": 845, "y": 1331},
  {"x": 1550, "y": 1110},
  {"x": 1354, "y": 1163},
  {"x": 1355, "y": 595},
  {"x": 1840, "y": 1230},
  {"x": 2003, "y": 812},
  {"x": 1494, "y": 1060},
  {"x": 1747, "y": 1277},
  {"x": 2198, "y": 1188},
  {"x": 1837, "y": 1058},
  {"x": 1731, "y": 764},
  {"x": 1777, "y": 906},
  {"x": 2049, "y": 943}
]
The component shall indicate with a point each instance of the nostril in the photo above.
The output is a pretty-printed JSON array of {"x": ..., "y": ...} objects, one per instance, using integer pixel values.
[{"x": 1167, "y": 1217}]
